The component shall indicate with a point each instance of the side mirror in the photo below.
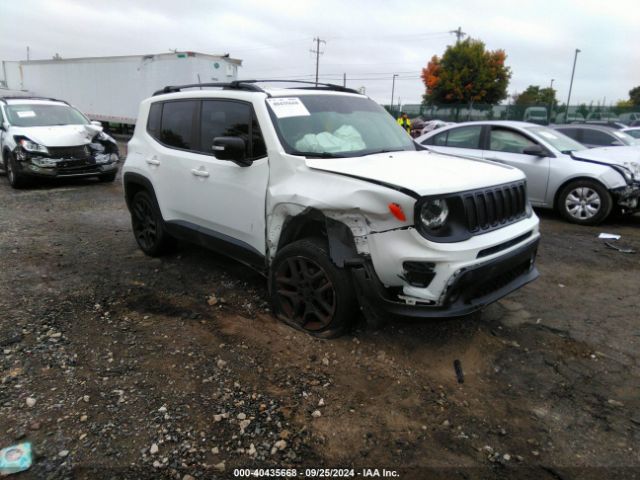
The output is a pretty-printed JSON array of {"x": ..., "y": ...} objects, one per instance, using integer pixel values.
[
  {"x": 96, "y": 123},
  {"x": 617, "y": 143},
  {"x": 231, "y": 148},
  {"x": 537, "y": 150}
]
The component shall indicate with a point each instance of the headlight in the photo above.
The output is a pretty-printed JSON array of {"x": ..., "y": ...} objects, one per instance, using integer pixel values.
[
  {"x": 30, "y": 146},
  {"x": 626, "y": 173},
  {"x": 634, "y": 167},
  {"x": 434, "y": 213}
]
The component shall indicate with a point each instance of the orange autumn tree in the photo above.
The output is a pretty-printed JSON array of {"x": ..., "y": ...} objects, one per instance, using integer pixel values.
[{"x": 466, "y": 73}]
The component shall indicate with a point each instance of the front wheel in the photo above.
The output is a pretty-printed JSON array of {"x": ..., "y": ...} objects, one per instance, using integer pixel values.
[
  {"x": 309, "y": 292},
  {"x": 108, "y": 178},
  {"x": 585, "y": 202},
  {"x": 15, "y": 178}
]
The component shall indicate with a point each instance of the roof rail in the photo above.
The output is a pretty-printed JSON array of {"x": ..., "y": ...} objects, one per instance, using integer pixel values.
[
  {"x": 29, "y": 97},
  {"x": 313, "y": 85},
  {"x": 235, "y": 85},
  {"x": 250, "y": 85}
]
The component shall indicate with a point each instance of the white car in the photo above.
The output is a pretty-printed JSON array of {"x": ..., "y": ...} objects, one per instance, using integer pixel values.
[
  {"x": 584, "y": 185},
  {"x": 48, "y": 138},
  {"x": 322, "y": 191},
  {"x": 633, "y": 131}
]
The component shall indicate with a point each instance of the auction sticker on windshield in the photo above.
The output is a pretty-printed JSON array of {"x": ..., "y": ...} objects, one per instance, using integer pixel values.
[
  {"x": 26, "y": 114},
  {"x": 288, "y": 107}
]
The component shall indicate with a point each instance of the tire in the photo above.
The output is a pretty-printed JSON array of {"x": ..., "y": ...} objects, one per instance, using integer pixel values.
[
  {"x": 107, "y": 178},
  {"x": 309, "y": 292},
  {"x": 15, "y": 179},
  {"x": 148, "y": 225},
  {"x": 585, "y": 202}
]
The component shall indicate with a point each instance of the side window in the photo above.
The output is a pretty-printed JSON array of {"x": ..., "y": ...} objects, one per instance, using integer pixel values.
[
  {"x": 153, "y": 122},
  {"x": 509, "y": 141},
  {"x": 440, "y": 139},
  {"x": 230, "y": 119},
  {"x": 464, "y": 137},
  {"x": 177, "y": 123},
  {"x": 570, "y": 132},
  {"x": 596, "y": 137}
]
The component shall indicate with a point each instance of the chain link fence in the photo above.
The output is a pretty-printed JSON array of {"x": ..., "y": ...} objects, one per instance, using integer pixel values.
[{"x": 534, "y": 113}]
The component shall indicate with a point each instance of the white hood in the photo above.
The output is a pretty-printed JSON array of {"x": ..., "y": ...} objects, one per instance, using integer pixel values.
[
  {"x": 426, "y": 173},
  {"x": 628, "y": 157},
  {"x": 611, "y": 155},
  {"x": 59, "y": 135}
]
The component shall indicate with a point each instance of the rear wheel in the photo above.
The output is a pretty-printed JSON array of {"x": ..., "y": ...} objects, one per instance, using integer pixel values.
[
  {"x": 585, "y": 202},
  {"x": 309, "y": 292},
  {"x": 148, "y": 226}
]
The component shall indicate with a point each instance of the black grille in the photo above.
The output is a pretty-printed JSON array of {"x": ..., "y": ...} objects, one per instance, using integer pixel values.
[
  {"x": 80, "y": 152},
  {"x": 495, "y": 207}
]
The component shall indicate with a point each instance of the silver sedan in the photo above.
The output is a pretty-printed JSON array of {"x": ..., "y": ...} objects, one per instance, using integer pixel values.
[{"x": 584, "y": 185}]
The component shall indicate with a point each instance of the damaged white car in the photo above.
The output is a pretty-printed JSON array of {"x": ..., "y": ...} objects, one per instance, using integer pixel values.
[
  {"x": 322, "y": 191},
  {"x": 48, "y": 138},
  {"x": 583, "y": 185}
]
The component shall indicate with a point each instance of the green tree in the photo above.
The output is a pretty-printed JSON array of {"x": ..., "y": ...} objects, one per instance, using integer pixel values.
[
  {"x": 534, "y": 95},
  {"x": 634, "y": 96},
  {"x": 466, "y": 73}
]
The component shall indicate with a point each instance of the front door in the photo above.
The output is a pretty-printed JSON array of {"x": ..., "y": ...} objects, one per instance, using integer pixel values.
[
  {"x": 506, "y": 146},
  {"x": 224, "y": 199}
]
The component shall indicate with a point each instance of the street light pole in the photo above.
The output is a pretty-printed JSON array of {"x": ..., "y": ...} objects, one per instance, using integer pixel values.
[
  {"x": 575, "y": 58},
  {"x": 393, "y": 87},
  {"x": 550, "y": 100}
]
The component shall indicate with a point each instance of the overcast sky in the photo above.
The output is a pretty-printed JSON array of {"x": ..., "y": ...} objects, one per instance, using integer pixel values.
[{"x": 368, "y": 40}]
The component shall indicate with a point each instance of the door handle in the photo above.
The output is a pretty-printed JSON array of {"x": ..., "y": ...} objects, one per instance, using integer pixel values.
[
  {"x": 199, "y": 173},
  {"x": 153, "y": 161}
]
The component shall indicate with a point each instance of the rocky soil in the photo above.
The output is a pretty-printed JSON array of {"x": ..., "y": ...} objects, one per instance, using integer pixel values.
[{"x": 116, "y": 365}]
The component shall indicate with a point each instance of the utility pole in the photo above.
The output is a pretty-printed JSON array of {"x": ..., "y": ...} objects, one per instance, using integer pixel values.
[
  {"x": 393, "y": 87},
  {"x": 458, "y": 33},
  {"x": 550, "y": 100},
  {"x": 344, "y": 79},
  {"x": 28, "y": 55},
  {"x": 318, "y": 53},
  {"x": 575, "y": 58}
]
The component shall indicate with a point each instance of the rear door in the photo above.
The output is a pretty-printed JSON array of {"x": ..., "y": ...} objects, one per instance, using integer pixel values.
[
  {"x": 506, "y": 146},
  {"x": 464, "y": 140}
]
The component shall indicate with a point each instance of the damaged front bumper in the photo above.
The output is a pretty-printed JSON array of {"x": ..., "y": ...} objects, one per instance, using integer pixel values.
[
  {"x": 628, "y": 197},
  {"x": 88, "y": 164},
  {"x": 471, "y": 289}
]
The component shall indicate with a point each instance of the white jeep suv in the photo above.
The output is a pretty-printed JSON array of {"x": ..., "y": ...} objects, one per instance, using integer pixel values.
[
  {"x": 322, "y": 191},
  {"x": 48, "y": 138}
]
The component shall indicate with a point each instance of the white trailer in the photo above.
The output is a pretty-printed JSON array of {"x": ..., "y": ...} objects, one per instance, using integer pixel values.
[{"x": 110, "y": 89}]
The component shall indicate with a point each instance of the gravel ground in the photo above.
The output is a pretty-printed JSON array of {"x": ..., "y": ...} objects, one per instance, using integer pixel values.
[{"x": 116, "y": 365}]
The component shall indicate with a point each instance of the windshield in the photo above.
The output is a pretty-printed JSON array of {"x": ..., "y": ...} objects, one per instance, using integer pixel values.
[
  {"x": 42, "y": 115},
  {"x": 626, "y": 138},
  {"x": 634, "y": 133},
  {"x": 329, "y": 126},
  {"x": 558, "y": 140}
]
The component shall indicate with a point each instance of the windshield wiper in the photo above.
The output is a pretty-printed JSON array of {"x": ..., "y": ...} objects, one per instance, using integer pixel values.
[
  {"x": 317, "y": 154},
  {"x": 383, "y": 150}
]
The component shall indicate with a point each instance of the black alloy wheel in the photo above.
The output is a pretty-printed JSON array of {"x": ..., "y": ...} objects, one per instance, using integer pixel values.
[
  {"x": 307, "y": 295},
  {"x": 309, "y": 291}
]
